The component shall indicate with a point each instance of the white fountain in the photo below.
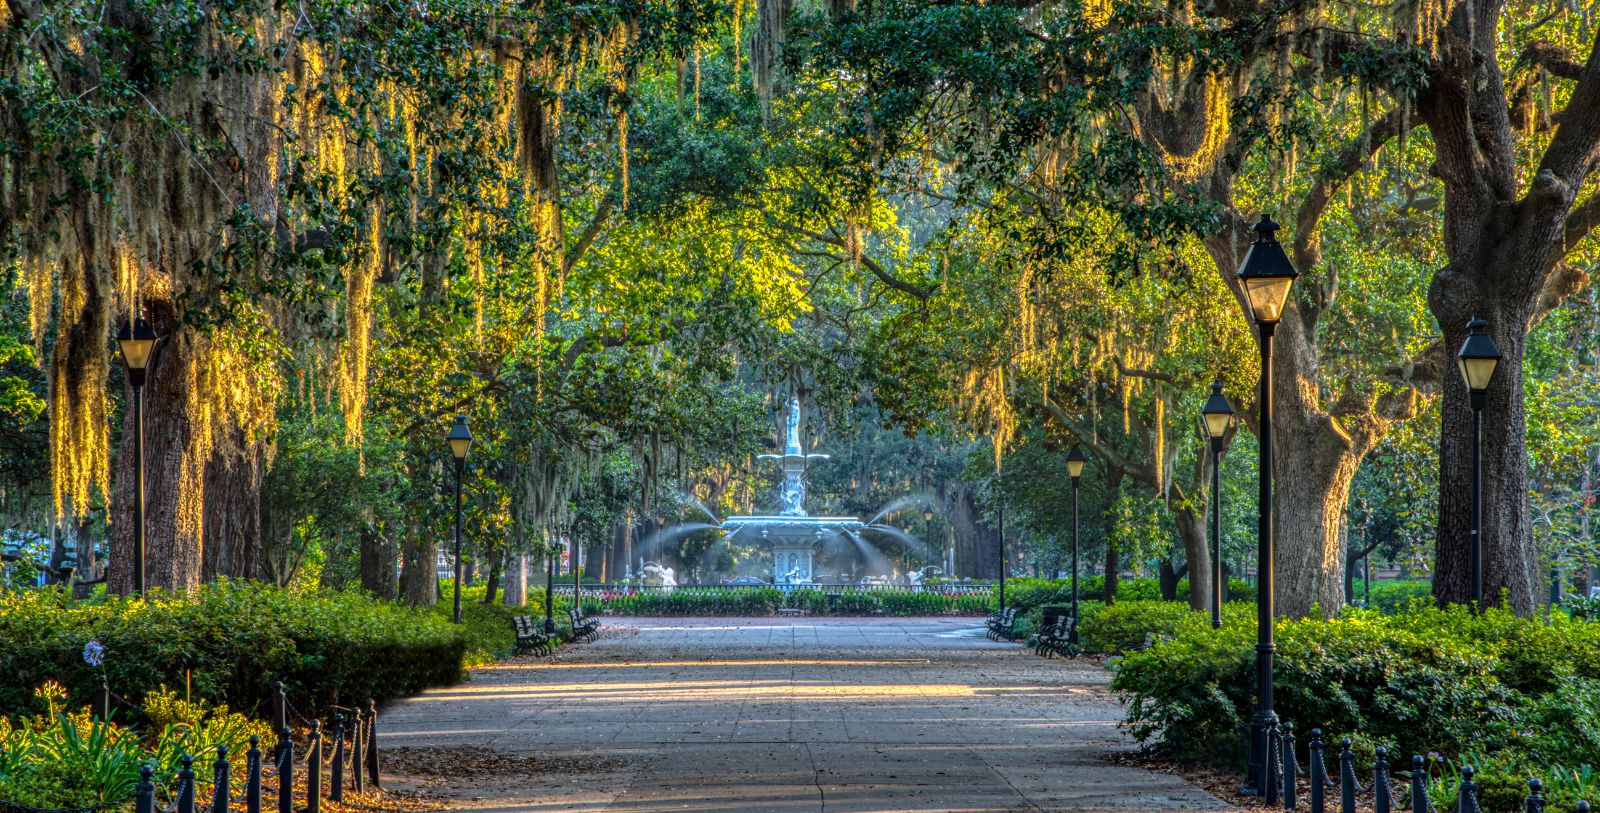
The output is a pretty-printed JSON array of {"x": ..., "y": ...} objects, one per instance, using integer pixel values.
[{"x": 794, "y": 535}]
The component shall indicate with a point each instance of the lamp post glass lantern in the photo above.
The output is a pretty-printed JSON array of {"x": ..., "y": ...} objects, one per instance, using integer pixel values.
[
  {"x": 1075, "y": 461},
  {"x": 1216, "y": 416},
  {"x": 1266, "y": 275},
  {"x": 137, "y": 340},
  {"x": 1477, "y": 360},
  {"x": 460, "y": 439}
]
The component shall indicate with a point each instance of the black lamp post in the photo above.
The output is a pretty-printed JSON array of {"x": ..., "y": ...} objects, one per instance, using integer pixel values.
[
  {"x": 927, "y": 526},
  {"x": 1075, "y": 461},
  {"x": 460, "y": 441},
  {"x": 136, "y": 340},
  {"x": 1000, "y": 512},
  {"x": 1478, "y": 359},
  {"x": 1216, "y": 416},
  {"x": 1266, "y": 276},
  {"x": 549, "y": 584}
]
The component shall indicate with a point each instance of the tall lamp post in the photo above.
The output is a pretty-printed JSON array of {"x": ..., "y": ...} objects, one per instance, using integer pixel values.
[
  {"x": 1478, "y": 359},
  {"x": 137, "y": 339},
  {"x": 549, "y": 583},
  {"x": 1266, "y": 276},
  {"x": 1075, "y": 461},
  {"x": 460, "y": 441},
  {"x": 1001, "y": 513},
  {"x": 1216, "y": 416}
]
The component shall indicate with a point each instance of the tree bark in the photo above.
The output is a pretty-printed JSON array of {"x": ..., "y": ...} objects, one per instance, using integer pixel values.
[
  {"x": 516, "y": 592},
  {"x": 1192, "y": 532},
  {"x": 1314, "y": 468},
  {"x": 232, "y": 505},
  {"x": 419, "y": 577},
  {"x": 378, "y": 562}
]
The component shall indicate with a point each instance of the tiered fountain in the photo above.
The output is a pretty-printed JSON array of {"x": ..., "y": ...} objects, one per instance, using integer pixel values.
[{"x": 794, "y": 535}]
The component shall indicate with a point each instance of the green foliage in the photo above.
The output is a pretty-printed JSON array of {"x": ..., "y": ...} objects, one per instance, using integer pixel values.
[
  {"x": 229, "y": 643},
  {"x": 63, "y": 758},
  {"x": 1398, "y": 596},
  {"x": 1522, "y": 691}
]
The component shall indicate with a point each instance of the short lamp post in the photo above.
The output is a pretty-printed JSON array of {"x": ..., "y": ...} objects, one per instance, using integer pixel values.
[
  {"x": 460, "y": 442},
  {"x": 136, "y": 340},
  {"x": 1216, "y": 417},
  {"x": 1266, "y": 276},
  {"x": 1075, "y": 461},
  {"x": 1478, "y": 359}
]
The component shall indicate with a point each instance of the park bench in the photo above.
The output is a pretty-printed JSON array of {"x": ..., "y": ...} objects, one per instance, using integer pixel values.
[
  {"x": 1056, "y": 639},
  {"x": 584, "y": 626},
  {"x": 532, "y": 635},
  {"x": 1002, "y": 624}
]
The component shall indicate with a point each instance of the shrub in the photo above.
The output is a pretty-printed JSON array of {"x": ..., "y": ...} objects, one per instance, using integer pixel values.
[
  {"x": 1526, "y": 691},
  {"x": 1399, "y": 596},
  {"x": 759, "y": 601},
  {"x": 230, "y": 643}
]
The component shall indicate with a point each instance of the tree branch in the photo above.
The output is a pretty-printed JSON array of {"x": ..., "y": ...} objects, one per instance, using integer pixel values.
[{"x": 1576, "y": 144}]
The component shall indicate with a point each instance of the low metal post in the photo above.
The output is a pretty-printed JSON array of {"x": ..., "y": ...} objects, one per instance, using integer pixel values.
[
  {"x": 101, "y": 704},
  {"x": 314, "y": 769},
  {"x": 280, "y": 709},
  {"x": 1583, "y": 807},
  {"x": 144, "y": 794},
  {"x": 1419, "y": 786},
  {"x": 1319, "y": 773},
  {"x": 1467, "y": 794},
  {"x": 372, "y": 744},
  {"x": 1272, "y": 770},
  {"x": 336, "y": 780},
  {"x": 285, "y": 772},
  {"x": 1382, "y": 800},
  {"x": 221, "y": 788},
  {"x": 357, "y": 747},
  {"x": 1535, "y": 801},
  {"x": 1347, "y": 778},
  {"x": 1291, "y": 784},
  {"x": 252, "y": 776},
  {"x": 186, "y": 784}
]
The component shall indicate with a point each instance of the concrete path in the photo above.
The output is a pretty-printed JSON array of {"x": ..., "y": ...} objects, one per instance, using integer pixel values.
[{"x": 758, "y": 715}]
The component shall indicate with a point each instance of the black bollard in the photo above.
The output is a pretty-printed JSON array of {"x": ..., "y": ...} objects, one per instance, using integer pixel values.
[
  {"x": 357, "y": 748},
  {"x": 1319, "y": 773},
  {"x": 336, "y": 779},
  {"x": 1291, "y": 782},
  {"x": 144, "y": 794},
  {"x": 252, "y": 776},
  {"x": 186, "y": 784},
  {"x": 1419, "y": 786},
  {"x": 372, "y": 744},
  {"x": 285, "y": 773},
  {"x": 1347, "y": 778},
  {"x": 314, "y": 769},
  {"x": 1535, "y": 801},
  {"x": 1382, "y": 801},
  {"x": 221, "y": 790}
]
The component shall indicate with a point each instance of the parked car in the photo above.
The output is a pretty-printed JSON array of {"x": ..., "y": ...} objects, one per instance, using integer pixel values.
[{"x": 745, "y": 581}]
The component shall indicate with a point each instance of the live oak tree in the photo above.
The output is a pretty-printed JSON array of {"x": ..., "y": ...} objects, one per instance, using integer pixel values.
[{"x": 1187, "y": 118}]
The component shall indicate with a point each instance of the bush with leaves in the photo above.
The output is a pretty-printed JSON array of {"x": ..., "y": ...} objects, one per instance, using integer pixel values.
[
  {"x": 229, "y": 642},
  {"x": 1516, "y": 696}
]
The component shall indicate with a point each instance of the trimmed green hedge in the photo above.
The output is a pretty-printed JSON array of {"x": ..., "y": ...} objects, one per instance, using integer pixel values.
[
  {"x": 758, "y": 601},
  {"x": 1512, "y": 696},
  {"x": 230, "y": 643}
]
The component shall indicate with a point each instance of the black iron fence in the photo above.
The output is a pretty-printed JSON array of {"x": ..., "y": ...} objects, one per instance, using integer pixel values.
[
  {"x": 1282, "y": 785},
  {"x": 342, "y": 758}
]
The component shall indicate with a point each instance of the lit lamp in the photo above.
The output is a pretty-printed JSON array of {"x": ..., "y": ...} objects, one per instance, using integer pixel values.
[
  {"x": 137, "y": 340},
  {"x": 1075, "y": 461},
  {"x": 460, "y": 439},
  {"x": 1477, "y": 360},
  {"x": 1266, "y": 276},
  {"x": 1216, "y": 416}
]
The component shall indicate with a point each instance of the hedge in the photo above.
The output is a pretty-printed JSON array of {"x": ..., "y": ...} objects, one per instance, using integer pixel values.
[
  {"x": 759, "y": 601},
  {"x": 1512, "y": 696},
  {"x": 230, "y": 643}
]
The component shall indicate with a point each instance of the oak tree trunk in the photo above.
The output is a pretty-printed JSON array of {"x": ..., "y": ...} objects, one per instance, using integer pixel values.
[
  {"x": 1192, "y": 532},
  {"x": 378, "y": 563}
]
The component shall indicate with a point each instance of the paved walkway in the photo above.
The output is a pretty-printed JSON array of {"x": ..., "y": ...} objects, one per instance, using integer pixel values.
[{"x": 757, "y": 715}]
